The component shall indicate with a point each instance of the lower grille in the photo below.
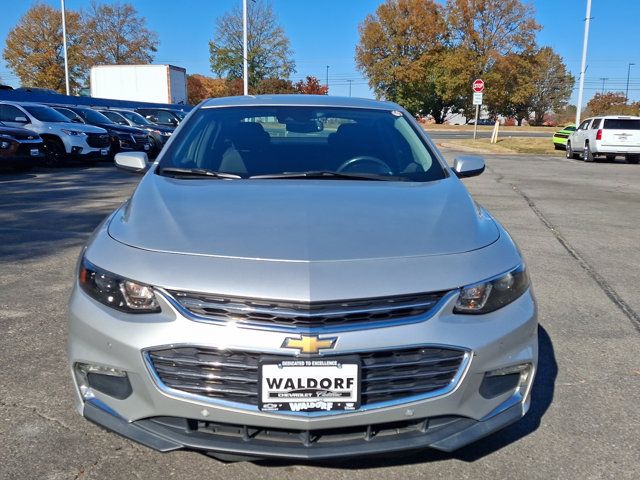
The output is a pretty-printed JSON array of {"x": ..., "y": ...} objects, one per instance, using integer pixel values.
[
  {"x": 251, "y": 311},
  {"x": 391, "y": 375},
  {"x": 24, "y": 149},
  {"x": 347, "y": 436},
  {"x": 98, "y": 140}
]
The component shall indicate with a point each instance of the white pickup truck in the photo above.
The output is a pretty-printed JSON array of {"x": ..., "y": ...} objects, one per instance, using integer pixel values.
[{"x": 607, "y": 136}]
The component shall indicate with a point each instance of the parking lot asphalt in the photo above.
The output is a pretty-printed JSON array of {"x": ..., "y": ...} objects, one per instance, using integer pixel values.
[
  {"x": 439, "y": 135},
  {"x": 577, "y": 224}
]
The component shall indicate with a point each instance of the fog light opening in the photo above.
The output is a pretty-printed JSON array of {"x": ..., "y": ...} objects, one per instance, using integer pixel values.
[
  {"x": 108, "y": 380},
  {"x": 516, "y": 378}
]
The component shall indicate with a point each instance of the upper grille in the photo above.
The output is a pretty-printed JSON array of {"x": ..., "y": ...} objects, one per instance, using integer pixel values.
[
  {"x": 25, "y": 136},
  {"x": 309, "y": 315},
  {"x": 98, "y": 140},
  {"x": 231, "y": 375}
]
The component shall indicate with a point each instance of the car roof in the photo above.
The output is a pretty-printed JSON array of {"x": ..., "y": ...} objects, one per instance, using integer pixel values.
[
  {"x": 616, "y": 117},
  {"x": 299, "y": 100}
]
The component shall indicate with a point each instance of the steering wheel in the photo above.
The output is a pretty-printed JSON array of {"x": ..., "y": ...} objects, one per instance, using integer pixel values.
[{"x": 365, "y": 158}]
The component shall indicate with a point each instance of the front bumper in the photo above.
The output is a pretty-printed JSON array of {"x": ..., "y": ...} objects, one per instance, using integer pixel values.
[{"x": 101, "y": 336}]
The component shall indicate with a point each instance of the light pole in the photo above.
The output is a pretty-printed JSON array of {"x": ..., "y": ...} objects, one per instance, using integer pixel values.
[
  {"x": 64, "y": 47},
  {"x": 626, "y": 95},
  {"x": 584, "y": 61},
  {"x": 604, "y": 79},
  {"x": 245, "y": 53},
  {"x": 326, "y": 83}
]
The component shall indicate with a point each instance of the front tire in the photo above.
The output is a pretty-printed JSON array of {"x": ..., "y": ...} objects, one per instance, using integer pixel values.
[
  {"x": 55, "y": 152},
  {"x": 611, "y": 158},
  {"x": 633, "y": 159},
  {"x": 587, "y": 155}
]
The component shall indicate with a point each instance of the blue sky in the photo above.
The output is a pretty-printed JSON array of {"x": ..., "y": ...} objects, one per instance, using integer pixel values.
[{"x": 325, "y": 33}]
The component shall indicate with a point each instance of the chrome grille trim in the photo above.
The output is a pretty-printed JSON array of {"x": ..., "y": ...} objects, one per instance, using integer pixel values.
[
  {"x": 245, "y": 398},
  {"x": 338, "y": 316}
]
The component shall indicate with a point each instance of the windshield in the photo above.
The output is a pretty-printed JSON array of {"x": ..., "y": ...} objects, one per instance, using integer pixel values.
[
  {"x": 45, "y": 114},
  {"x": 91, "y": 116},
  {"x": 253, "y": 141},
  {"x": 135, "y": 117},
  {"x": 570, "y": 128}
]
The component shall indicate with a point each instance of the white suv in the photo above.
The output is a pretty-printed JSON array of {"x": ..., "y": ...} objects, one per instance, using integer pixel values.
[
  {"x": 62, "y": 138},
  {"x": 607, "y": 135}
]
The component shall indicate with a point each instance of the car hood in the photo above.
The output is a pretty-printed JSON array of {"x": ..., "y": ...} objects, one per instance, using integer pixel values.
[
  {"x": 121, "y": 128},
  {"x": 80, "y": 127},
  {"x": 21, "y": 133},
  {"x": 302, "y": 220}
]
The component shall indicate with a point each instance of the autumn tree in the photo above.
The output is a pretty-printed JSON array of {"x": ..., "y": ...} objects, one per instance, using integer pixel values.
[
  {"x": 480, "y": 32},
  {"x": 552, "y": 84},
  {"x": 509, "y": 86},
  {"x": 311, "y": 86},
  {"x": 274, "y": 86},
  {"x": 398, "y": 48},
  {"x": 201, "y": 87},
  {"x": 269, "y": 52},
  {"x": 118, "y": 35},
  {"x": 33, "y": 49},
  {"x": 611, "y": 103}
]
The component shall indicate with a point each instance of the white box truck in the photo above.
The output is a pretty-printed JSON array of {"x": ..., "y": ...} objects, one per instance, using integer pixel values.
[{"x": 140, "y": 83}]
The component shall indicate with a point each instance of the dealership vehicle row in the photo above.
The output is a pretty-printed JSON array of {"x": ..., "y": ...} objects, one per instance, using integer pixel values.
[{"x": 53, "y": 134}]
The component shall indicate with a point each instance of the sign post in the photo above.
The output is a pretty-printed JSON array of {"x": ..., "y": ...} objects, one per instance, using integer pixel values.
[{"x": 478, "y": 88}]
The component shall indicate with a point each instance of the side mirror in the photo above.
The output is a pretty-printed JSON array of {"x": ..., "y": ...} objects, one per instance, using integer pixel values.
[
  {"x": 132, "y": 161},
  {"x": 466, "y": 166},
  {"x": 21, "y": 120}
]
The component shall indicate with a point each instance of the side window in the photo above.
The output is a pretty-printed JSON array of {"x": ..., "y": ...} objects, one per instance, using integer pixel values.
[
  {"x": 596, "y": 123},
  {"x": 583, "y": 125},
  {"x": 9, "y": 113},
  {"x": 164, "y": 117}
]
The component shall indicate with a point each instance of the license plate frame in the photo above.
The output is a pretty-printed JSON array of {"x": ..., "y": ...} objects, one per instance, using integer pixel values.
[
  {"x": 318, "y": 398},
  {"x": 34, "y": 152},
  {"x": 104, "y": 152}
]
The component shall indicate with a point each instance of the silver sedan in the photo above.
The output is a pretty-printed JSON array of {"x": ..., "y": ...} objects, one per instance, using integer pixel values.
[{"x": 301, "y": 277}]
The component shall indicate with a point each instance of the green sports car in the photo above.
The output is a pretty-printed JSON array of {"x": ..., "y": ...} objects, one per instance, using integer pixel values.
[{"x": 560, "y": 137}]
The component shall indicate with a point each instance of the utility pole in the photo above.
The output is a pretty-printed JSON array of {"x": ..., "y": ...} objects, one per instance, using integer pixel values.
[
  {"x": 64, "y": 47},
  {"x": 583, "y": 67},
  {"x": 326, "y": 83},
  {"x": 350, "y": 81},
  {"x": 626, "y": 95},
  {"x": 604, "y": 79},
  {"x": 245, "y": 53}
]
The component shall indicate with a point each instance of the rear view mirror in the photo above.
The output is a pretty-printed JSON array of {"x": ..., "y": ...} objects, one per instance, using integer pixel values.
[
  {"x": 466, "y": 166},
  {"x": 132, "y": 161}
]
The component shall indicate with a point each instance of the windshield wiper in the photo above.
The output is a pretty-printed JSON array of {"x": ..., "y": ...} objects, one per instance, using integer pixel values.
[
  {"x": 327, "y": 174},
  {"x": 196, "y": 172}
]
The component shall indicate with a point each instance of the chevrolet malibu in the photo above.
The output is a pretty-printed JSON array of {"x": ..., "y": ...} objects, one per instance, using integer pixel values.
[{"x": 301, "y": 277}]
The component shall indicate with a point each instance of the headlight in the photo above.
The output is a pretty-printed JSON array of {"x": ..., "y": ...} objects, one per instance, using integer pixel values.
[
  {"x": 73, "y": 133},
  {"x": 494, "y": 293},
  {"x": 117, "y": 292},
  {"x": 4, "y": 145}
]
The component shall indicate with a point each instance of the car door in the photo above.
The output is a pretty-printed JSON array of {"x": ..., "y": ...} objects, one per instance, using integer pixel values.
[
  {"x": 13, "y": 116},
  {"x": 580, "y": 135}
]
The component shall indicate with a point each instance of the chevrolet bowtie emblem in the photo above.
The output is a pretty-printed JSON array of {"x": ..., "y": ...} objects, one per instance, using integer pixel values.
[{"x": 309, "y": 344}]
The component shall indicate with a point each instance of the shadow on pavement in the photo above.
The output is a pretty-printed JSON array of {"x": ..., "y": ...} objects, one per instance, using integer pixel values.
[
  {"x": 51, "y": 209},
  {"x": 542, "y": 396}
]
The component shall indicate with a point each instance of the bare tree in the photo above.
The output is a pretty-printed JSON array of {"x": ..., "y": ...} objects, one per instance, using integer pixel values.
[{"x": 269, "y": 51}]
